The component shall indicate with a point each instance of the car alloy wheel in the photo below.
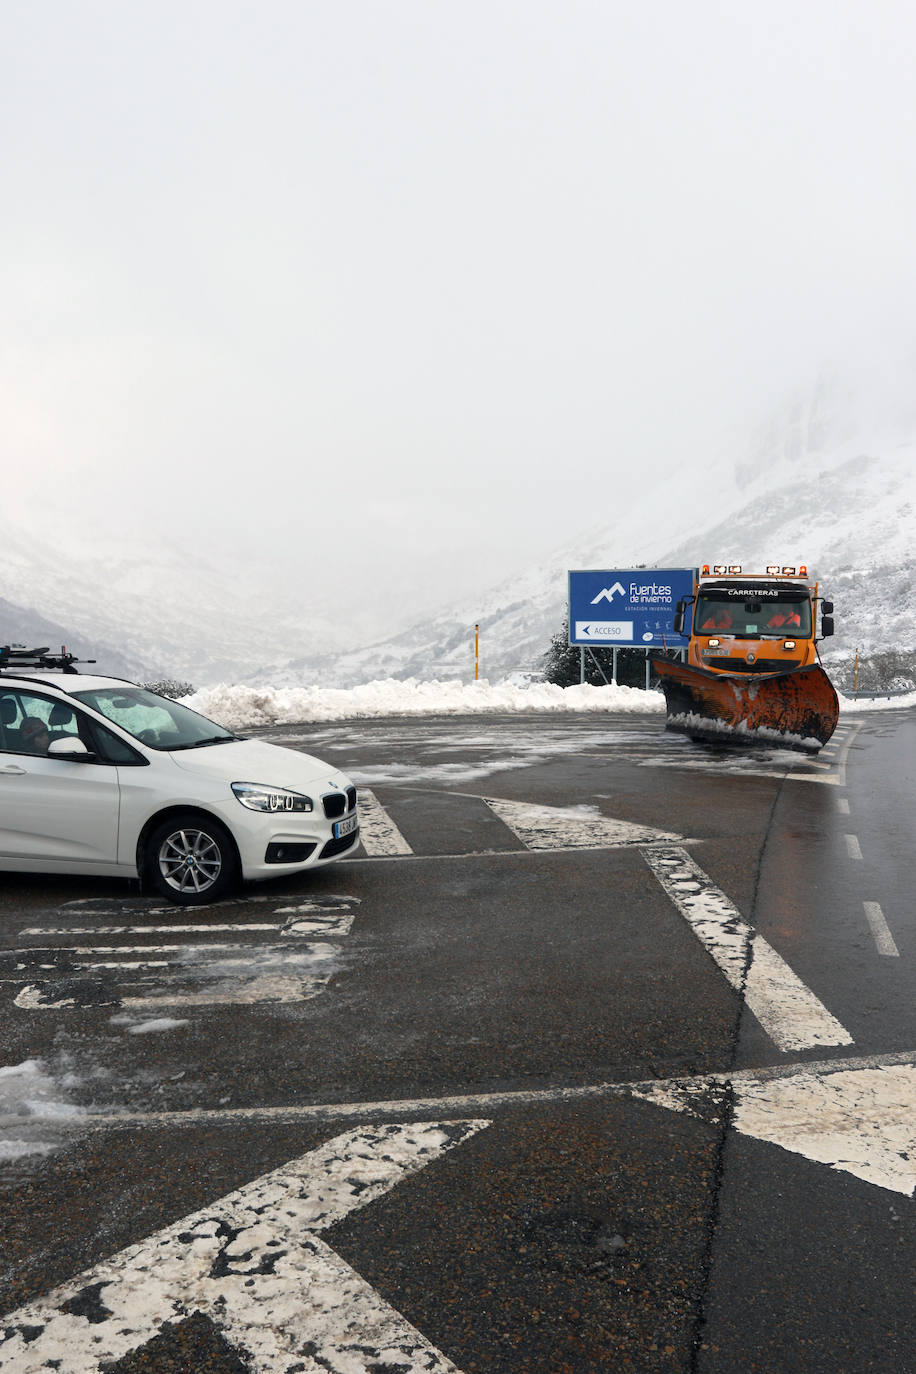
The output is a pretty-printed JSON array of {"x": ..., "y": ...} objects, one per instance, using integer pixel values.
[{"x": 191, "y": 860}]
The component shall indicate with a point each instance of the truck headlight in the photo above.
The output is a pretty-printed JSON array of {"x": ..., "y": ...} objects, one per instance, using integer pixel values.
[{"x": 257, "y": 797}]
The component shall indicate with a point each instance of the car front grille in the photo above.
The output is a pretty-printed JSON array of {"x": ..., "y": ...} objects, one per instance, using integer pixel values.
[{"x": 337, "y": 804}]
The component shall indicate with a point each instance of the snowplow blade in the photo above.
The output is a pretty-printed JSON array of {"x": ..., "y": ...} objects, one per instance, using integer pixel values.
[{"x": 796, "y": 710}]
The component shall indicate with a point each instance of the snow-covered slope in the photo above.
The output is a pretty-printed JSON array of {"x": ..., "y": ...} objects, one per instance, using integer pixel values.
[
  {"x": 804, "y": 489},
  {"x": 849, "y": 515},
  {"x": 147, "y": 606}
]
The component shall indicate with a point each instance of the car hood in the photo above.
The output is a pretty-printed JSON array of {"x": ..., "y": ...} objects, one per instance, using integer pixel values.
[{"x": 252, "y": 760}]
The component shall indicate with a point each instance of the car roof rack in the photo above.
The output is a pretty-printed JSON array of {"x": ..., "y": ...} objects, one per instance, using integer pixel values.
[{"x": 16, "y": 657}]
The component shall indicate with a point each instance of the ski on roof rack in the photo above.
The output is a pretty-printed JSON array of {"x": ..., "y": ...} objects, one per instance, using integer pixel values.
[{"x": 14, "y": 657}]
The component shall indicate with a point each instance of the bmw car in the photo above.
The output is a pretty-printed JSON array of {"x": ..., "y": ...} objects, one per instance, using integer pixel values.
[{"x": 104, "y": 777}]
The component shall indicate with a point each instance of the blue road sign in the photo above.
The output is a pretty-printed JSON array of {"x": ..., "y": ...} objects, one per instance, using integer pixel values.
[{"x": 631, "y": 606}]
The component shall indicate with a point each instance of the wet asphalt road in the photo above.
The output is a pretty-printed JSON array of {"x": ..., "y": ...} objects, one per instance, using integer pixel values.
[{"x": 586, "y": 1227}]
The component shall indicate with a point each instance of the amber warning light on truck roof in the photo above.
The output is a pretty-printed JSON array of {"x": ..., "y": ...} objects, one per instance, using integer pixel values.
[{"x": 773, "y": 570}]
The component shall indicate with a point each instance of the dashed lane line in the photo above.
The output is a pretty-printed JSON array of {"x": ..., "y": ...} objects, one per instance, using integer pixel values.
[
  {"x": 853, "y": 848},
  {"x": 881, "y": 931}
]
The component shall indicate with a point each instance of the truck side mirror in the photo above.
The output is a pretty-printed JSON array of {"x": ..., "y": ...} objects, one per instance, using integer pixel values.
[
  {"x": 826, "y": 608},
  {"x": 680, "y": 612},
  {"x": 826, "y": 626}
]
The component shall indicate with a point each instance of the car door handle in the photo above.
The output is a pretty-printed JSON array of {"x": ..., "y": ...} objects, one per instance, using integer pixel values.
[{"x": 14, "y": 769}]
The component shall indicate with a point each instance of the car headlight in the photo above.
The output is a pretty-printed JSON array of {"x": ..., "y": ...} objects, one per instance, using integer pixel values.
[{"x": 257, "y": 797}]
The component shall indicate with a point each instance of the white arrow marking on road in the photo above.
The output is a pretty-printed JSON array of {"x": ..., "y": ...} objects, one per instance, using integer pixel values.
[
  {"x": 862, "y": 1121},
  {"x": 789, "y": 1012},
  {"x": 573, "y": 827},
  {"x": 253, "y": 1263}
]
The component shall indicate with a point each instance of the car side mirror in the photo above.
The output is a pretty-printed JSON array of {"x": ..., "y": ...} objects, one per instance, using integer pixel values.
[
  {"x": 71, "y": 748},
  {"x": 826, "y": 626}
]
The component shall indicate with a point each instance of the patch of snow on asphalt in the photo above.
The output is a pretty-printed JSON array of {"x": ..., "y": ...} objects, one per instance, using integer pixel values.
[
  {"x": 161, "y": 1023},
  {"x": 31, "y": 1105}
]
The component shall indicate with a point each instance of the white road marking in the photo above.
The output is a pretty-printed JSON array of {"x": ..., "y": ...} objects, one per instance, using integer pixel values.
[
  {"x": 859, "y": 1120},
  {"x": 254, "y": 1263},
  {"x": 789, "y": 1012},
  {"x": 557, "y": 827},
  {"x": 210, "y": 976},
  {"x": 337, "y": 923},
  {"x": 864, "y": 1073},
  {"x": 881, "y": 931},
  {"x": 46, "y": 931},
  {"x": 837, "y": 778},
  {"x": 852, "y": 847},
  {"x": 268, "y": 974},
  {"x": 842, "y": 805},
  {"x": 377, "y": 830}
]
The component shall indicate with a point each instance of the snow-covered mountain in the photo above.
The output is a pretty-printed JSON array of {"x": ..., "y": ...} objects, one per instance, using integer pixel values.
[
  {"x": 804, "y": 487},
  {"x": 849, "y": 515},
  {"x": 142, "y": 609}
]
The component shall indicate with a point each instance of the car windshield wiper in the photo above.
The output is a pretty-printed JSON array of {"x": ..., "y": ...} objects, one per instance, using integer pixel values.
[{"x": 202, "y": 743}]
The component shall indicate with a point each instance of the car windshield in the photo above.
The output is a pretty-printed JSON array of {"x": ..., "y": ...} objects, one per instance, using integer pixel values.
[
  {"x": 155, "y": 721},
  {"x": 752, "y": 617}
]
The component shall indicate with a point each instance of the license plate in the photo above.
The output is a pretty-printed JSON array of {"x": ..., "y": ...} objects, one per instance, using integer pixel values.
[{"x": 345, "y": 827}]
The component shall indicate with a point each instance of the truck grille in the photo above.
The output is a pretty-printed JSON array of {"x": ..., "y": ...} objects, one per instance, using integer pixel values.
[{"x": 741, "y": 665}]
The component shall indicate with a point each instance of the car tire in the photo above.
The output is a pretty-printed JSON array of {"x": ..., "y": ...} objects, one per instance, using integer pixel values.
[{"x": 191, "y": 860}]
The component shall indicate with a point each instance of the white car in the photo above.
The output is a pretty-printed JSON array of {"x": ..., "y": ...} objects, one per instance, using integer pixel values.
[{"x": 100, "y": 776}]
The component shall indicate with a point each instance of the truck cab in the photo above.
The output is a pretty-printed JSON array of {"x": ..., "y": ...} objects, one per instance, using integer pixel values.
[{"x": 755, "y": 622}]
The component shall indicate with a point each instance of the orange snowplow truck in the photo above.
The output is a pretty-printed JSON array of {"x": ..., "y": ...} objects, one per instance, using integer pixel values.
[{"x": 752, "y": 674}]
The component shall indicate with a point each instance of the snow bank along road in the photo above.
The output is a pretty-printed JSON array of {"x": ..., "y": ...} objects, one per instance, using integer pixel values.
[{"x": 600, "y": 1056}]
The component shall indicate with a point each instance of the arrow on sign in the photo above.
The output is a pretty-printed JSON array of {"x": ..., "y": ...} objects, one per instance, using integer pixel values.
[{"x": 254, "y": 1264}]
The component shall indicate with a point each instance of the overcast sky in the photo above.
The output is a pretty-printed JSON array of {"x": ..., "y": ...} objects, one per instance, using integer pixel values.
[{"x": 401, "y": 294}]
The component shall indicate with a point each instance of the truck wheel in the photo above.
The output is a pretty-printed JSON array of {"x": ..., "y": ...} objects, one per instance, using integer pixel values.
[{"x": 191, "y": 860}]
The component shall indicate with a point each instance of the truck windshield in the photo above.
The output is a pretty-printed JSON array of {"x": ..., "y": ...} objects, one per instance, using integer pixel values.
[
  {"x": 752, "y": 619},
  {"x": 155, "y": 720}
]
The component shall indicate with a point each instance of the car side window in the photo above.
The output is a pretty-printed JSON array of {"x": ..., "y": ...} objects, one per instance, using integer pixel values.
[
  {"x": 10, "y": 716},
  {"x": 110, "y": 748},
  {"x": 29, "y": 722}
]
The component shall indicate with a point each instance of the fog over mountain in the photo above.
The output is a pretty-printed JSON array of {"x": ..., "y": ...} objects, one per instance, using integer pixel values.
[{"x": 813, "y": 483}]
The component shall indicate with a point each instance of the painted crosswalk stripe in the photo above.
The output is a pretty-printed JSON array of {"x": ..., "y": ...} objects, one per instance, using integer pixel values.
[
  {"x": 294, "y": 968},
  {"x": 789, "y": 1012},
  {"x": 47, "y": 931},
  {"x": 377, "y": 830},
  {"x": 881, "y": 931}
]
